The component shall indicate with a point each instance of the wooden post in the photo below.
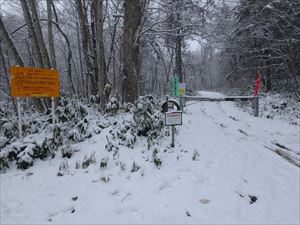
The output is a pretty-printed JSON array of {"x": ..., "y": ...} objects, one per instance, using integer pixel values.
[
  {"x": 19, "y": 119},
  {"x": 167, "y": 100},
  {"x": 173, "y": 137},
  {"x": 256, "y": 106},
  {"x": 53, "y": 110},
  {"x": 181, "y": 102}
]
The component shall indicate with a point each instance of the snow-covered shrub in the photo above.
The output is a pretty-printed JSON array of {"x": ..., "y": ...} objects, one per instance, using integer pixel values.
[
  {"x": 127, "y": 137},
  {"x": 196, "y": 156},
  {"x": 124, "y": 133},
  {"x": 25, "y": 157},
  {"x": 143, "y": 119},
  {"x": 88, "y": 160},
  {"x": 75, "y": 136},
  {"x": 148, "y": 118},
  {"x": 107, "y": 90},
  {"x": 9, "y": 128},
  {"x": 3, "y": 161},
  {"x": 63, "y": 169},
  {"x": 282, "y": 106},
  {"x": 3, "y": 141},
  {"x": 134, "y": 167},
  {"x": 67, "y": 151},
  {"x": 75, "y": 122},
  {"x": 103, "y": 163},
  {"x": 112, "y": 106},
  {"x": 111, "y": 146},
  {"x": 57, "y": 136},
  {"x": 157, "y": 161},
  {"x": 104, "y": 179},
  {"x": 95, "y": 99},
  {"x": 25, "y": 161},
  {"x": 42, "y": 151},
  {"x": 77, "y": 164}
]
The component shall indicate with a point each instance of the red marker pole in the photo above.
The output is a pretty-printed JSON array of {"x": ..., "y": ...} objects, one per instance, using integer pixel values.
[
  {"x": 256, "y": 90},
  {"x": 257, "y": 84}
]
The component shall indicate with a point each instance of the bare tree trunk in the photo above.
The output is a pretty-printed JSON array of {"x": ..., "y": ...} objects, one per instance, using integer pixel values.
[
  {"x": 179, "y": 38},
  {"x": 178, "y": 59},
  {"x": 93, "y": 18},
  {"x": 113, "y": 38},
  {"x": 50, "y": 35},
  {"x": 210, "y": 66},
  {"x": 31, "y": 57},
  {"x": 102, "y": 76},
  {"x": 85, "y": 46},
  {"x": 132, "y": 20},
  {"x": 19, "y": 61},
  {"x": 31, "y": 33},
  {"x": 69, "y": 58},
  {"x": 82, "y": 77},
  {"x": 6, "y": 77},
  {"x": 39, "y": 34},
  {"x": 35, "y": 45},
  {"x": 10, "y": 44}
]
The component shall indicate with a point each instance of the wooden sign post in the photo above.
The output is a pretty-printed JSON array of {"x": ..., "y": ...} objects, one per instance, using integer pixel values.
[{"x": 33, "y": 82}]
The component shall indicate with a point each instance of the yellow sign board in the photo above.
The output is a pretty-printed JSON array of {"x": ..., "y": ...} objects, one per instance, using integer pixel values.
[
  {"x": 181, "y": 89},
  {"x": 33, "y": 82}
]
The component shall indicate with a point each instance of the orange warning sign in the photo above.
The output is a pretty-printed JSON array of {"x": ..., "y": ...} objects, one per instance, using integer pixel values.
[{"x": 33, "y": 82}]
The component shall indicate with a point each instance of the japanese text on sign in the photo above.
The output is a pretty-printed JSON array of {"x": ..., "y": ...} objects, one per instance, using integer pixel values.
[
  {"x": 173, "y": 118},
  {"x": 34, "y": 82}
]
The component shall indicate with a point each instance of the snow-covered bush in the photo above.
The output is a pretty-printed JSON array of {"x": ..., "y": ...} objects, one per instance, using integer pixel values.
[
  {"x": 3, "y": 161},
  {"x": 88, "y": 160},
  {"x": 157, "y": 161},
  {"x": 112, "y": 106},
  {"x": 63, "y": 169},
  {"x": 104, "y": 162},
  {"x": 282, "y": 106},
  {"x": 74, "y": 123},
  {"x": 3, "y": 141},
  {"x": 143, "y": 119},
  {"x": 196, "y": 156},
  {"x": 67, "y": 151},
  {"x": 107, "y": 90},
  {"x": 8, "y": 128},
  {"x": 146, "y": 115},
  {"x": 148, "y": 118},
  {"x": 111, "y": 146},
  {"x": 134, "y": 167},
  {"x": 124, "y": 133}
]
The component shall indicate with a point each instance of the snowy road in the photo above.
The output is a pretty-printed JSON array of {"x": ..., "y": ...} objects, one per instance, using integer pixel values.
[{"x": 237, "y": 178}]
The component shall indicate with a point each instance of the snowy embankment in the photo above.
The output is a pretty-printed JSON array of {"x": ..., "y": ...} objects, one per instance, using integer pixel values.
[{"x": 224, "y": 169}]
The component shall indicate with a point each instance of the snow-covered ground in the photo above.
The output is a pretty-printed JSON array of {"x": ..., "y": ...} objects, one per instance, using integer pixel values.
[{"x": 227, "y": 167}]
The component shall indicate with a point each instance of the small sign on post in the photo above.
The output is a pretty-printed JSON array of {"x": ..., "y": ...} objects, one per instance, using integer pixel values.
[
  {"x": 33, "y": 82},
  {"x": 173, "y": 118}
]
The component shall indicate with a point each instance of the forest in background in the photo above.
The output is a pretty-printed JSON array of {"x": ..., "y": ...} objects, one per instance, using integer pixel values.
[{"x": 128, "y": 48}]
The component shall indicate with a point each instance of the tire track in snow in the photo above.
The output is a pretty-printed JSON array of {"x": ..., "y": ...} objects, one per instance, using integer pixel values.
[{"x": 244, "y": 128}]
